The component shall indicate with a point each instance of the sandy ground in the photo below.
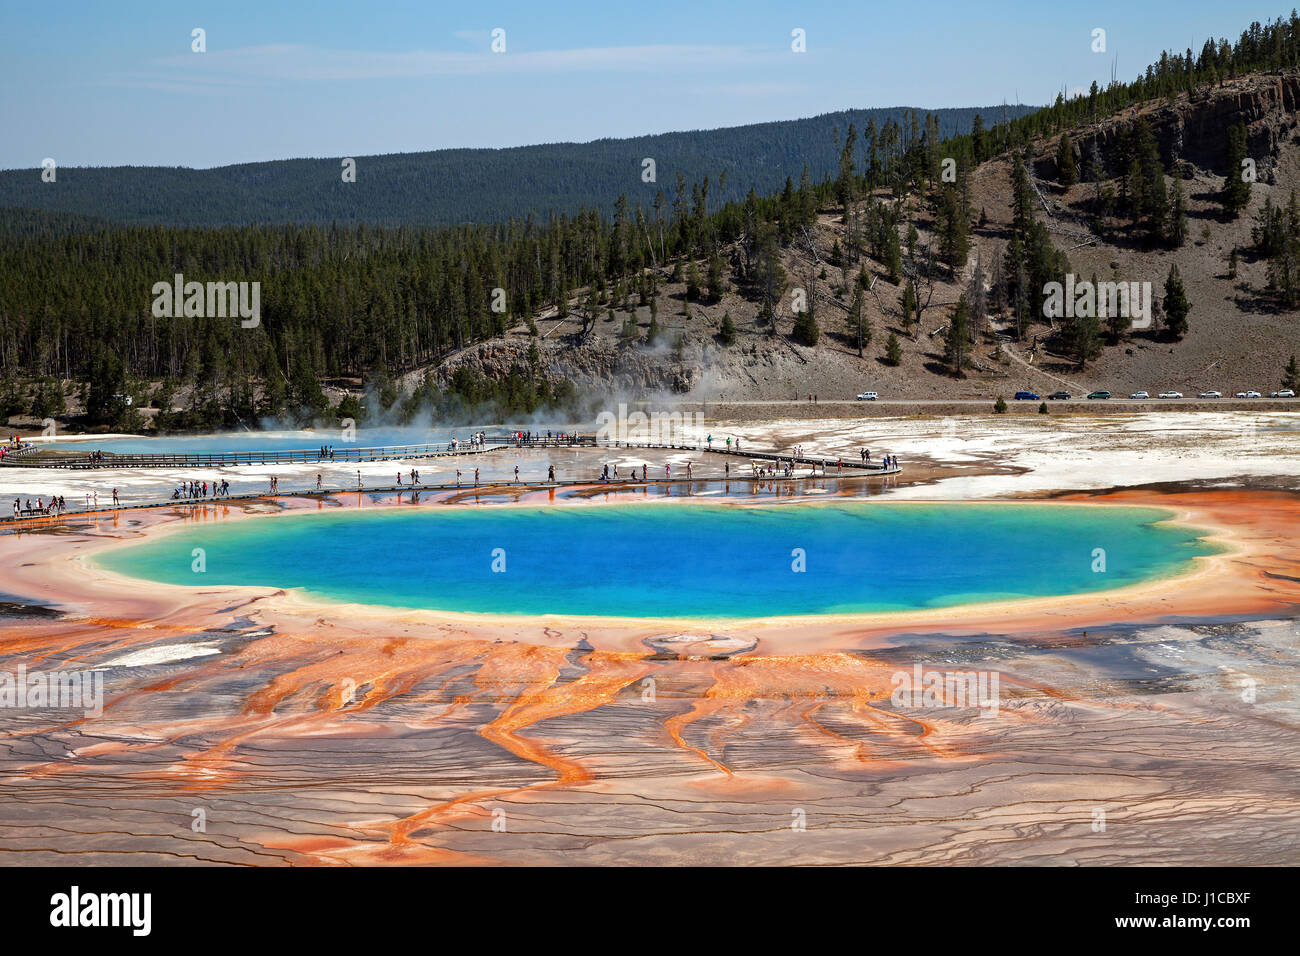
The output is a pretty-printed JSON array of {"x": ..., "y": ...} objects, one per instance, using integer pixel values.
[{"x": 1154, "y": 725}]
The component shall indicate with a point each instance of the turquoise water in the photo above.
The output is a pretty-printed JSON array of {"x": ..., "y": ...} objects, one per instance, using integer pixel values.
[
  {"x": 698, "y": 561},
  {"x": 274, "y": 440}
]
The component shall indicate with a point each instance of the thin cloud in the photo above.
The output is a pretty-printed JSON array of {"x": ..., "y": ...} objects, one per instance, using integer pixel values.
[{"x": 305, "y": 63}]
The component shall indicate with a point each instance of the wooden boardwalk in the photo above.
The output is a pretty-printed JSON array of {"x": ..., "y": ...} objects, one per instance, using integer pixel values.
[{"x": 485, "y": 488}]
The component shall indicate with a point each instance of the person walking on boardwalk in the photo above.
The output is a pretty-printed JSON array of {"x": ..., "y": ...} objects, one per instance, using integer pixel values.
[
  {"x": 358, "y": 479},
  {"x": 475, "y": 477},
  {"x": 516, "y": 474},
  {"x": 457, "y": 477},
  {"x": 318, "y": 482},
  {"x": 115, "y": 501},
  {"x": 550, "y": 474}
]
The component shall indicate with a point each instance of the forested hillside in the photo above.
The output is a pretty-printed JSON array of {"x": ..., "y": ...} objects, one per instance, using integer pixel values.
[
  {"x": 457, "y": 186},
  {"x": 946, "y": 243}
]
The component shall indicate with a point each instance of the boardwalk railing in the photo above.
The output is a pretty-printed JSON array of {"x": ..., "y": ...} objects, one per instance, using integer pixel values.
[
  {"x": 336, "y": 455},
  {"x": 299, "y": 456}
]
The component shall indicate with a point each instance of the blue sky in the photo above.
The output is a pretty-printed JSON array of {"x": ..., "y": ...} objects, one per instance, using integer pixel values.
[{"x": 114, "y": 83}]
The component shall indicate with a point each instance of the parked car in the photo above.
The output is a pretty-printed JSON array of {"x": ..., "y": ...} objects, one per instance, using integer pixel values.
[
  {"x": 1027, "y": 397},
  {"x": 1099, "y": 394},
  {"x": 1285, "y": 393},
  {"x": 1171, "y": 394},
  {"x": 1253, "y": 394},
  {"x": 1139, "y": 395},
  {"x": 868, "y": 397},
  {"x": 1059, "y": 397},
  {"x": 1210, "y": 395}
]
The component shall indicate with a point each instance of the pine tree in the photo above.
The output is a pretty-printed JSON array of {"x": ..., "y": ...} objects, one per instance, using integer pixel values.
[
  {"x": 692, "y": 282},
  {"x": 909, "y": 305},
  {"x": 1177, "y": 230},
  {"x": 1235, "y": 193},
  {"x": 957, "y": 340},
  {"x": 806, "y": 331},
  {"x": 893, "y": 351},
  {"x": 1066, "y": 171},
  {"x": 859, "y": 324},
  {"x": 727, "y": 333},
  {"x": 717, "y": 285},
  {"x": 1145, "y": 185},
  {"x": 978, "y": 299},
  {"x": 1084, "y": 339},
  {"x": 954, "y": 227},
  {"x": 1291, "y": 375},
  {"x": 1176, "y": 306}
]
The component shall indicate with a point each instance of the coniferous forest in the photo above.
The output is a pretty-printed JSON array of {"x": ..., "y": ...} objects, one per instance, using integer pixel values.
[{"x": 363, "y": 301}]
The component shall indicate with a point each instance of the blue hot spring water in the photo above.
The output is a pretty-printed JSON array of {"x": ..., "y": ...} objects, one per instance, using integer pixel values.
[{"x": 679, "y": 560}]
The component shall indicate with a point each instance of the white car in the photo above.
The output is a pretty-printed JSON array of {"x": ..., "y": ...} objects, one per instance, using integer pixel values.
[
  {"x": 1210, "y": 395},
  {"x": 1139, "y": 395},
  {"x": 1253, "y": 394},
  {"x": 1285, "y": 393},
  {"x": 868, "y": 397},
  {"x": 1171, "y": 394}
]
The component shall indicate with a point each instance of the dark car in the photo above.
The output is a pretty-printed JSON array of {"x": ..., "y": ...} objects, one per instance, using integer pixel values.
[
  {"x": 1059, "y": 396},
  {"x": 1099, "y": 395},
  {"x": 1027, "y": 397}
]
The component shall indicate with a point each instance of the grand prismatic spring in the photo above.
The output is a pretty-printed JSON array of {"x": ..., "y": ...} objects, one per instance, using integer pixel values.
[
  {"x": 974, "y": 659},
  {"x": 696, "y": 561}
]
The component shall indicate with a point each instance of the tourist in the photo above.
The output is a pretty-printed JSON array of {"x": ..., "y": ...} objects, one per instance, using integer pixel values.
[
  {"x": 550, "y": 474},
  {"x": 115, "y": 500},
  {"x": 318, "y": 482},
  {"x": 516, "y": 474},
  {"x": 475, "y": 477}
]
